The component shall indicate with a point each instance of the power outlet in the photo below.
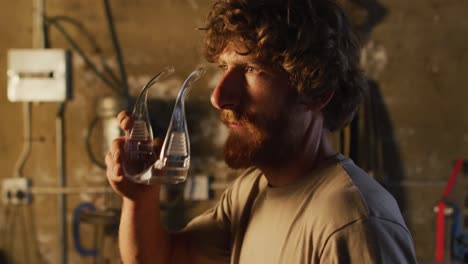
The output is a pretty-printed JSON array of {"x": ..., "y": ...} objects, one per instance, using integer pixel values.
[{"x": 16, "y": 191}]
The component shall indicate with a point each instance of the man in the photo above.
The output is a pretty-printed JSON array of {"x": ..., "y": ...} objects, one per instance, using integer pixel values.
[{"x": 290, "y": 75}]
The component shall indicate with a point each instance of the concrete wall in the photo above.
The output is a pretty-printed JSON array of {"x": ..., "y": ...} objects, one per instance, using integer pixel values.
[
  {"x": 416, "y": 55},
  {"x": 424, "y": 88}
]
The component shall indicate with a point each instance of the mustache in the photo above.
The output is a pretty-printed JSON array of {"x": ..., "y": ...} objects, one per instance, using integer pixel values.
[{"x": 231, "y": 116}]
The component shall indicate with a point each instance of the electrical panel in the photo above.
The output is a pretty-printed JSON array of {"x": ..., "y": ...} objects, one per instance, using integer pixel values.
[{"x": 39, "y": 75}]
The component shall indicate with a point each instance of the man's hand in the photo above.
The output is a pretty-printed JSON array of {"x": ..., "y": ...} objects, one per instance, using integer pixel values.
[{"x": 115, "y": 175}]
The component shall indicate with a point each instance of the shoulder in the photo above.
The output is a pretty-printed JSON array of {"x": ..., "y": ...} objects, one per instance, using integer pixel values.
[
  {"x": 250, "y": 178},
  {"x": 369, "y": 240},
  {"x": 348, "y": 195},
  {"x": 242, "y": 191},
  {"x": 379, "y": 202},
  {"x": 356, "y": 214}
]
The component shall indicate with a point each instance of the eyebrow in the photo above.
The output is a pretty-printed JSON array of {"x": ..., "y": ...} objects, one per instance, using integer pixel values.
[{"x": 242, "y": 63}]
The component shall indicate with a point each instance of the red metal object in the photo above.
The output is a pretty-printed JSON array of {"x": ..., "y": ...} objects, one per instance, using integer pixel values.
[{"x": 440, "y": 220}]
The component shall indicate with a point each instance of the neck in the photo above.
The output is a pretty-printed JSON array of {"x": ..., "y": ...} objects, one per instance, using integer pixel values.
[{"x": 316, "y": 150}]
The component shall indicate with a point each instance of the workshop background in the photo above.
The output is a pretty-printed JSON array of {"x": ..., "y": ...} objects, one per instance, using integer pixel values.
[{"x": 56, "y": 205}]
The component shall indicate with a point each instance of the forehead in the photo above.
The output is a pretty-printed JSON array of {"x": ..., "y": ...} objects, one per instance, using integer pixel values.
[{"x": 236, "y": 52}]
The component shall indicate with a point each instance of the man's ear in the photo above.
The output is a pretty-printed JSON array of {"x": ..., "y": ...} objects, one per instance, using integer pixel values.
[{"x": 317, "y": 104}]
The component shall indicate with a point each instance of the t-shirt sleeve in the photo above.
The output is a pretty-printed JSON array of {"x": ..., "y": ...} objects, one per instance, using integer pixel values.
[
  {"x": 210, "y": 232},
  {"x": 370, "y": 240}
]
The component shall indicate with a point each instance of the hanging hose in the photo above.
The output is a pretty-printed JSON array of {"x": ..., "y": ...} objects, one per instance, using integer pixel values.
[
  {"x": 89, "y": 148},
  {"x": 76, "y": 230},
  {"x": 24, "y": 235},
  {"x": 88, "y": 61},
  {"x": 118, "y": 52},
  {"x": 91, "y": 40},
  {"x": 32, "y": 230}
]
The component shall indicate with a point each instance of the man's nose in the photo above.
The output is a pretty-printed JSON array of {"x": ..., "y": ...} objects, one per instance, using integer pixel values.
[{"x": 228, "y": 92}]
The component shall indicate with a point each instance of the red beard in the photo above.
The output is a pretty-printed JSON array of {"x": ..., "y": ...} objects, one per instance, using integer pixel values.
[{"x": 265, "y": 143}]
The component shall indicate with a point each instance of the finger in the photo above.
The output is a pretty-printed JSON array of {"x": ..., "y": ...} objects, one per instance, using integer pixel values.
[
  {"x": 117, "y": 145},
  {"x": 110, "y": 166},
  {"x": 114, "y": 178},
  {"x": 117, "y": 174},
  {"x": 114, "y": 171},
  {"x": 108, "y": 160},
  {"x": 116, "y": 156},
  {"x": 122, "y": 115},
  {"x": 125, "y": 121},
  {"x": 126, "y": 124}
]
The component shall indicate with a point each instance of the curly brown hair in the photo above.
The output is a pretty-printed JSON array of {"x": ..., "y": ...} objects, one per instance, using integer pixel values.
[{"x": 312, "y": 40}]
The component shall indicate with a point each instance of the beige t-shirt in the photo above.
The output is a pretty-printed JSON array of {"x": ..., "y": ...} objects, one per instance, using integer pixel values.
[{"x": 337, "y": 214}]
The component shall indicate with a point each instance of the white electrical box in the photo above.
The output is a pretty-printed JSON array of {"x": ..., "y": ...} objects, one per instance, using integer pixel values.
[
  {"x": 16, "y": 191},
  {"x": 39, "y": 75},
  {"x": 197, "y": 188}
]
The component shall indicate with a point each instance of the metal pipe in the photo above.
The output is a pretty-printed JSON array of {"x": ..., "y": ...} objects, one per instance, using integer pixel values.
[
  {"x": 27, "y": 140},
  {"x": 40, "y": 40},
  {"x": 62, "y": 199},
  {"x": 40, "y": 37},
  {"x": 70, "y": 190}
]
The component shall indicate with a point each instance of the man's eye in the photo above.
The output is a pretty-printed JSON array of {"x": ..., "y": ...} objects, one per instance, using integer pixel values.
[
  {"x": 251, "y": 69},
  {"x": 223, "y": 67}
]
